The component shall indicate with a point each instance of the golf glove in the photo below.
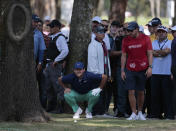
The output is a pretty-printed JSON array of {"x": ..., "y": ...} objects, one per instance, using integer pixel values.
[{"x": 96, "y": 91}]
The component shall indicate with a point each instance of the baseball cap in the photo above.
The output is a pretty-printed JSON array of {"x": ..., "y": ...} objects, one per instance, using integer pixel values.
[
  {"x": 79, "y": 65},
  {"x": 47, "y": 18},
  {"x": 149, "y": 23},
  {"x": 116, "y": 23},
  {"x": 132, "y": 25},
  {"x": 156, "y": 21},
  {"x": 55, "y": 23},
  {"x": 173, "y": 28},
  {"x": 97, "y": 19},
  {"x": 99, "y": 29},
  {"x": 162, "y": 28},
  {"x": 35, "y": 18}
]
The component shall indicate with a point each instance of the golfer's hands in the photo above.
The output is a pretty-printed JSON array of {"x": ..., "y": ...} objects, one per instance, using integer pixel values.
[{"x": 96, "y": 91}]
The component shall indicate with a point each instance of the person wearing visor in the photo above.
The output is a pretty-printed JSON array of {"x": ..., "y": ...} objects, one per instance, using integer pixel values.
[
  {"x": 85, "y": 86},
  {"x": 137, "y": 56},
  {"x": 161, "y": 85},
  {"x": 156, "y": 22},
  {"x": 98, "y": 63},
  {"x": 96, "y": 21},
  {"x": 55, "y": 58}
]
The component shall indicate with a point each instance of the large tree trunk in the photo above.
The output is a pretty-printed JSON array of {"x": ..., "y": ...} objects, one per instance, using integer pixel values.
[
  {"x": 80, "y": 33},
  {"x": 19, "y": 97},
  {"x": 117, "y": 10}
]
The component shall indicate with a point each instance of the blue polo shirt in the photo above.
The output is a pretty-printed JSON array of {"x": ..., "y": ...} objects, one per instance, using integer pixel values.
[{"x": 88, "y": 82}]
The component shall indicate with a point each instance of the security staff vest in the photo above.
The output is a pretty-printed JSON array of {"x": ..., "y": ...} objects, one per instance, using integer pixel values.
[{"x": 52, "y": 51}]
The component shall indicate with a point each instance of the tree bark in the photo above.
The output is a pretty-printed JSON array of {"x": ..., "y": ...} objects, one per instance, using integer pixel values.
[
  {"x": 58, "y": 9},
  {"x": 117, "y": 10},
  {"x": 99, "y": 6},
  {"x": 158, "y": 8},
  {"x": 174, "y": 19},
  {"x": 80, "y": 33},
  {"x": 38, "y": 7},
  {"x": 19, "y": 97},
  {"x": 95, "y": 11},
  {"x": 152, "y": 7}
]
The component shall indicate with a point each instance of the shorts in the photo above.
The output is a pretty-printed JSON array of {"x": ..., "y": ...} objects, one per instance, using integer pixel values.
[{"x": 135, "y": 80}]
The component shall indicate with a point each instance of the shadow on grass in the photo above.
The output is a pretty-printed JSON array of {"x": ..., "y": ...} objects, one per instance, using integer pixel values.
[{"x": 64, "y": 122}]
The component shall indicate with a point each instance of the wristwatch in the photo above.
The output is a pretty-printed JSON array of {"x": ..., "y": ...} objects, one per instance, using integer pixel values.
[{"x": 150, "y": 66}]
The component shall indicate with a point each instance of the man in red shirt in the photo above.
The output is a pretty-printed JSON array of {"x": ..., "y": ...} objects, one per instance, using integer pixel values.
[{"x": 137, "y": 56}]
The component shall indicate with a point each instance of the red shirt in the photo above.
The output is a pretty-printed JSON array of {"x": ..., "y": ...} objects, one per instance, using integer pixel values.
[{"x": 136, "y": 49}]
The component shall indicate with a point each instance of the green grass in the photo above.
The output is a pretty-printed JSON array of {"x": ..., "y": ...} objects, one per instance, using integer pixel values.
[
  {"x": 144, "y": 20},
  {"x": 64, "y": 122}
]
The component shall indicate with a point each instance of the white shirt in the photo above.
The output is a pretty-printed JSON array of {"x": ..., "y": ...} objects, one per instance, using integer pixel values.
[
  {"x": 96, "y": 58},
  {"x": 66, "y": 31},
  {"x": 161, "y": 65},
  {"x": 106, "y": 40},
  {"x": 62, "y": 46}
]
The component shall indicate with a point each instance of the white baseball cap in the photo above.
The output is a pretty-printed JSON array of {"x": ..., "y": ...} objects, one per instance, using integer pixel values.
[
  {"x": 47, "y": 18},
  {"x": 162, "y": 28},
  {"x": 97, "y": 19},
  {"x": 173, "y": 28}
]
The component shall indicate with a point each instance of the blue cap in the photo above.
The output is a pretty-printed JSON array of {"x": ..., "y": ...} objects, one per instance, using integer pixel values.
[
  {"x": 132, "y": 25},
  {"x": 79, "y": 65},
  {"x": 35, "y": 18}
]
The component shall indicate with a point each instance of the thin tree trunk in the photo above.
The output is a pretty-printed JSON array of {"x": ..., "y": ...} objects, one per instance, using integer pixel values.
[
  {"x": 174, "y": 19},
  {"x": 95, "y": 11},
  {"x": 152, "y": 7},
  {"x": 158, "y": 8},
  {"x": 38, "y": 7},
  {"x": 58, "y": 9},
  {"x": 100, "y": 7},
  {"x": 117, "y": 10},
  {"x": 19, "y": 97}
]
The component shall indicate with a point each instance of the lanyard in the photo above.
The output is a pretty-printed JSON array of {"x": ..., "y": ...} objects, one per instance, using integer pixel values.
[{"x": 159, "y": 44}]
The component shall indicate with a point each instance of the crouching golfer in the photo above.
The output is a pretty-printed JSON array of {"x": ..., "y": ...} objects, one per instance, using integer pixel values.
[{"x": 85, "y": 86}]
